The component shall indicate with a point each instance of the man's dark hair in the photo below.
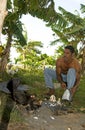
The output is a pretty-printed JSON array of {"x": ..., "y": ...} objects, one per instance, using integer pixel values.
[{"x": 70, "y": 48}]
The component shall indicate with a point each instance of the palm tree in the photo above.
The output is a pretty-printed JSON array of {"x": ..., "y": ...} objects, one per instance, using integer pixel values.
[
  {"x": 3, "y": 14},
  {"x": 12, "y": 28},
  {"x": 29, "y": 54}
]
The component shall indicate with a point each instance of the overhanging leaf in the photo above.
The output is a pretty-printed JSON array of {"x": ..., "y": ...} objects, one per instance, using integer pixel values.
[{"x": 17, "y": 31}]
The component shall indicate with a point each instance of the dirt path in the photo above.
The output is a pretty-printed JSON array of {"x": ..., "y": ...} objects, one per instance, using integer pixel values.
[{"x": 44, "y": 119}]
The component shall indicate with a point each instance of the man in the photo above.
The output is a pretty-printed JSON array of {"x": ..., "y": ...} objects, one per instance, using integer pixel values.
[{"x": 68, "y": 71}]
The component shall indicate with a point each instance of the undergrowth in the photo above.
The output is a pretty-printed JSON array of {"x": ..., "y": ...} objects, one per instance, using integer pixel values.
[{"x": 35, "y": 80}]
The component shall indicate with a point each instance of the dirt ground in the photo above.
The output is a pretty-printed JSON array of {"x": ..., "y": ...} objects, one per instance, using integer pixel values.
[{"x": 46, "y": 119}]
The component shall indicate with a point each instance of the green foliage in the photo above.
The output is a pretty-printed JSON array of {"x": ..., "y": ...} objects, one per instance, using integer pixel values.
[
  {"x": 82, "y": 8},
  {"x": 63, "y": 38},
  {"x": 8, "y": 110},
  {"x": 9, "y": 4},
  {"x": 21, "y": 6},
  {"x": 60, "y": 50},
  {"x": 16, "y": 116},
  {"x": 75, "y": 19},
  {"x": 4, "y": 76},
  {"x": 79, "y": 99},
  {"x": 13, "y": 26},
  {"x": 30, "y": 56},
  {"x": 17, "y": 32}
]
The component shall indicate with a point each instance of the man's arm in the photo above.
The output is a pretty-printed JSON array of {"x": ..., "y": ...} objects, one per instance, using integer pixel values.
[{"x": 58, "y": 72}]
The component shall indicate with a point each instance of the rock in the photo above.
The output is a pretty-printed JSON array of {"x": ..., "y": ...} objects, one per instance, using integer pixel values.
[{"x": 3, "y": 87}]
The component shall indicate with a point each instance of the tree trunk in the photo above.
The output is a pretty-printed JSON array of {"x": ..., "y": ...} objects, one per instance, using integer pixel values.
[
  {"x": 5, "y": 56},
  {"x": 3, "y": 14}
]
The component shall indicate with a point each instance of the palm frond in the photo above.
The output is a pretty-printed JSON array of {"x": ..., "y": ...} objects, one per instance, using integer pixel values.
[
  {"x": 55, "y": 42},
  {"x": 75, "y": 29},
  {"x": 82, "y": 8},
  {"x": 71, "y": 17},
  {"x": 61, "y": 35},
  {"x": 35, "y": 44},
  {"x": 17, "y": 31}
]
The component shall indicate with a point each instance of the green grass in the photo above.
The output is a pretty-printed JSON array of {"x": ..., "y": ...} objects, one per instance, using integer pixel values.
[
  {"x": 79, "y": 99},
  {"x": 8, "y": 109}
]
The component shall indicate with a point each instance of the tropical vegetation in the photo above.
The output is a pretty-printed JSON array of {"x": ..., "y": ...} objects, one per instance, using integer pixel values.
[{"x": 29, "y": 66}]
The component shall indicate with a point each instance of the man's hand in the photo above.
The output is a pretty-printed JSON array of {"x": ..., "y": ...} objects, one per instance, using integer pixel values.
[{"x": 63, "y": 85}]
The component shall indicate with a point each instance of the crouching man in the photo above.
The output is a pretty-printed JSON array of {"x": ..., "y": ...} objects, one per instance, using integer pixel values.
[{"x": 68, "y": 72}]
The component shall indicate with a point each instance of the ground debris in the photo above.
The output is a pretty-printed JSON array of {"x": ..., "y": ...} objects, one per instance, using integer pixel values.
[{"x": 59, "y": 108}]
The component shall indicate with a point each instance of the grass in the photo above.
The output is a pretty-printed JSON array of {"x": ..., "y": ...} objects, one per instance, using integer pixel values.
[
  {"x": 79, "y": 99},
  {"x": 35, "y": 79},
  {"x": 8, "y": 109}
]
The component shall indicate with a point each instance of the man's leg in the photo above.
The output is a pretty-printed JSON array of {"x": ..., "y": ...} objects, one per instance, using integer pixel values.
[
  {"x": 50, "y": 75},
  {"x": 71, "y": 78}
]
